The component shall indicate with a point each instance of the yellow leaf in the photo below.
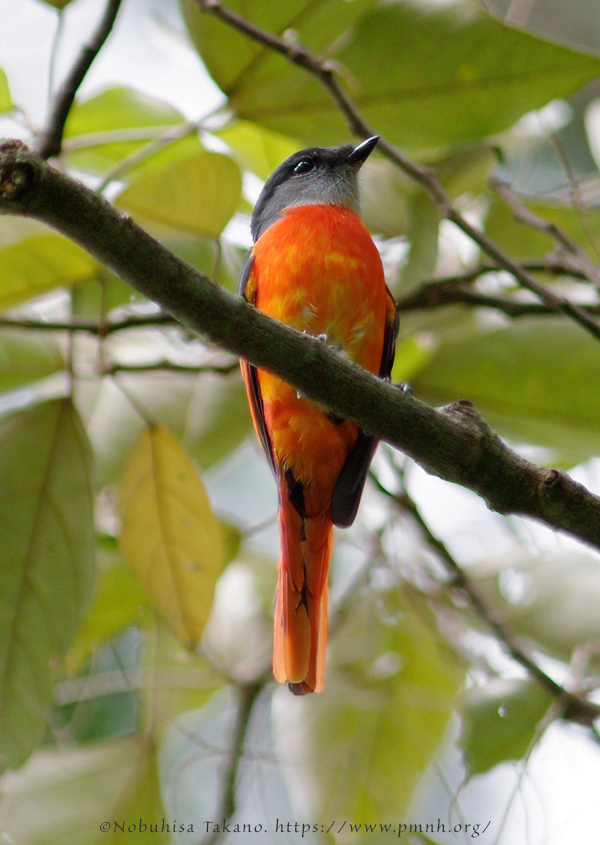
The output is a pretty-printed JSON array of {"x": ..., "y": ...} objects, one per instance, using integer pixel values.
[{"x": 170, "y": 536}]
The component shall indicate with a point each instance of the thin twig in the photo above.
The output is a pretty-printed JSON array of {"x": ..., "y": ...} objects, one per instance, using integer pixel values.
[
  {"x": 529, "y": 218},
  {"x": 550, "y": 266},
  {"x": 325, "y": 73},
  {"x": 573, "y": 707},
  {"x": 132, "y": 134},
  {"x": 50, "y": 141},
  {"x": 170, "y": 366},
  {"x": 174, "y": 133},
  {"x": 89, "y": 326},
  {"x": 575, "y": 193},
  {"x": 248, "y": 695},
  {"x": 436, "y": 295},
  {"x": 432, "y": 293}
]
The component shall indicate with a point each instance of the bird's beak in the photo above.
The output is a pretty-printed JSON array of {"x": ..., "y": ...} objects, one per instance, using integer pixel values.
[{"x": 359, "y": 154}]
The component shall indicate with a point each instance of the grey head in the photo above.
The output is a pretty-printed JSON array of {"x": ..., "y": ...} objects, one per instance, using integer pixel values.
[{"x": 318, "y": 175}]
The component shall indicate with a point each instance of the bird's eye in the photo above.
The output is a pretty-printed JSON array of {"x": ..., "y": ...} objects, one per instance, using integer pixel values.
[{"x": 304, "y": 166}]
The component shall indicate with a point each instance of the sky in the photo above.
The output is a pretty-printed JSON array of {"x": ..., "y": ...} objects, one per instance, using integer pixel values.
[{"x": 146, "y": 48}]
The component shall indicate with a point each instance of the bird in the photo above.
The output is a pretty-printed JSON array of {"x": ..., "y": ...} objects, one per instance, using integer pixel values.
[{"x": 314, "y": 266}]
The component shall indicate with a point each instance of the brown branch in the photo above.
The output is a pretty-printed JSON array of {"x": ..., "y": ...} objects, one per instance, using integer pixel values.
[
  {"x": 453, "y": 443},
  {"x": 50, "y": 141},
  {"x": 456, "y": 289},
  {"x": 548, "y": 266},
  {"x": 436, "y": 294},
  {"x": 171, "y": 367},
  {"x": 247, "y": 699},
  {"x": 324, "y": 72},
  {"x": 88, "y": 326},
  {"x": 529, "y": 218}
]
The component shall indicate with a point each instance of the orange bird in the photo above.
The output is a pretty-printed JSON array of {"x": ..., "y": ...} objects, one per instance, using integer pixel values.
[{"x": 314, "y": 267}]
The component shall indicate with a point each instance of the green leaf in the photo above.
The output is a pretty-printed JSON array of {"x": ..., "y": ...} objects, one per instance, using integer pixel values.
[
  {"x": 513, "y": 236},
  {"x": 530, "y": 379},
  {"x": 197, "y": 194},
  {"x": 64, "y": 797},
  {"x": 46, "y": 522},
  {"x": 385, "y": 193},
  {"x": 423, "y": 232},
  {"x": 113, "y": 111},
  {"x": 208, "y": 413},
  {"x": 182, "y": 682},
  {"x": 218, "y": 419},
  {"x": 95, "y": 298},
  {"x": 258, "y": 149},
  {"x": 411, "y": 356},
  {"x": 36, "y": 265},
  {"x": 232, "y": 541},
  {"x": 500, "y": 721},
  {"x": 552, "y": 599},
  {"x": 388, "y": 697},
  {"x": 119, "y": 601},
  {"x": 237, "y": 63},
  {"x": 484, "y": 77},
  {"x": 526, "y": 241},
  {"x": 581, "y": 224},
  {"x": 58, "y": 4},
  {"x": 25, "y": 357},
  {"x": 222, "y": 261},
  {"x": 465, "y": 169},
  {"x": 6, "y": 103},
  {"x": 170, "y": 536}
]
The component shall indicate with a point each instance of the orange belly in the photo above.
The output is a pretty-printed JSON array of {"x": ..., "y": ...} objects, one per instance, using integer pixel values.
[{"x": 318, "y": 270}]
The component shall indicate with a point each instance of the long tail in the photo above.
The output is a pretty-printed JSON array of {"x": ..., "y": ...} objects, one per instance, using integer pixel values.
[{"x": 300, "y": 636}]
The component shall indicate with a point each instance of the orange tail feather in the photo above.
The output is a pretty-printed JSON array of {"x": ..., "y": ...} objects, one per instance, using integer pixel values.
[{"x": 300, "y": 634}]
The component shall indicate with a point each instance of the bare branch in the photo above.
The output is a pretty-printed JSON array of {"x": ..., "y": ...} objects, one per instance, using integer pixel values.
[
  {"x": 96, "y": 327},
  {"x": 453, "y": 443},
  {"x": 169, "y": 366},
  {"x": 436, "y": 294},
  {"x": 529, "y": 218},
  {"x": 550, "y": 266},
  {"x": 50, "y": 141},
  {"x": 247, "y": 698}
]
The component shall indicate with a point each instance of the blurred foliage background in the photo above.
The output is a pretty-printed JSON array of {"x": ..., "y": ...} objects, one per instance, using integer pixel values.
[{"x": 137, "y": 514}]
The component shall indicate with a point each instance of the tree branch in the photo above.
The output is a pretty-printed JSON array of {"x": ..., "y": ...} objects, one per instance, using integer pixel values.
[
  {"x": 50, "y": 141},
  {"x": 247, "y": 699},
  {"x": 324, "y": 72},
  {"x": 169, "y": 366},
  {"x": 550, "y": 266},
  {"x": 534, "y": 221},
  {"x": 572, "y": 707},
  {"x": 453, "y": 443},
  {"x": 96, "y": 327},
  {"x": 443, "y": 292}
]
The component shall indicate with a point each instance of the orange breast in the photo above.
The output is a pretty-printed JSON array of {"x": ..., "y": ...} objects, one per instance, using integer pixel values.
[{"x": 318, "y": 270}]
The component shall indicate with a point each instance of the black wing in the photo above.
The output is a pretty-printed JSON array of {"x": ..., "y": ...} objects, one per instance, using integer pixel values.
[
  {"x": 351, "y": 480},
  {"x": 250, "y": 373}
]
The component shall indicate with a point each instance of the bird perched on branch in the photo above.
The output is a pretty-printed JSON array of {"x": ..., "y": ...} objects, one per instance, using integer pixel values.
[{"x": 314, "y": 267}]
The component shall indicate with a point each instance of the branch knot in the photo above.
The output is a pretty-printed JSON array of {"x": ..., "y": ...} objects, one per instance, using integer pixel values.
[{"x": 16, "y": 177}]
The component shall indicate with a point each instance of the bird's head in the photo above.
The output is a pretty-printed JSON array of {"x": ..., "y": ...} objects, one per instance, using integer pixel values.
[{"x": 318, "y": 175}]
